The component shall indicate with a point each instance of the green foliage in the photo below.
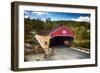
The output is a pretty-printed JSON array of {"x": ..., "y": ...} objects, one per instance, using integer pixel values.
[
  {"x": 37, "y": 24},
  {"x": 83, "y": 43}
]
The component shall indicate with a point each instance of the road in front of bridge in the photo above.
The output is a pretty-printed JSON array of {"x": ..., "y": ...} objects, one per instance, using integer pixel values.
[{"x": 65, "y": 53}]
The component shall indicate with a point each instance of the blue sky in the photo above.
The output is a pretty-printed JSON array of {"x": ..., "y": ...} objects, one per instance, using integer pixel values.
[{"x": 55, "y": 16}]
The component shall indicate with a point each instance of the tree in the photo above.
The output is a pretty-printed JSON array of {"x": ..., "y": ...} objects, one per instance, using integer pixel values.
[{"x": 49, "y": 24}]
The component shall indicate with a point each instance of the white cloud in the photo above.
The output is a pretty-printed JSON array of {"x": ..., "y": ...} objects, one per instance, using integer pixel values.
[
  {"x": 40, "y": 13},
  {"x": 26, "y": 16},
  {"x": 29, "y": 17},
  {"x": 83, "y": 19}
]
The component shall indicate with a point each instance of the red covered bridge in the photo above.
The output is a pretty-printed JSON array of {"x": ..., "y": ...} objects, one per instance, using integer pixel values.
[{"x": 61, "y": 35}]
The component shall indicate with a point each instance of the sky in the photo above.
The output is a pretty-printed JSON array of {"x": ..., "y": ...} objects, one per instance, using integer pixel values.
[{"x": 55, "y": 16}]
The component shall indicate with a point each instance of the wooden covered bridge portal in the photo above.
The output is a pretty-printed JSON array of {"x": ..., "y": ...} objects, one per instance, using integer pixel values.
[{"x": 61, "y": 36}]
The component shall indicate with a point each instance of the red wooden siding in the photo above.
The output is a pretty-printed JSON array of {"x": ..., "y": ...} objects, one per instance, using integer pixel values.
[{"x": 62, "y": 31}]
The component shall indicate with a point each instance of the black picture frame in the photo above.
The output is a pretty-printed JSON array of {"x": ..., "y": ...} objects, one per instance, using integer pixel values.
[{"x": 15, "y": 33}]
